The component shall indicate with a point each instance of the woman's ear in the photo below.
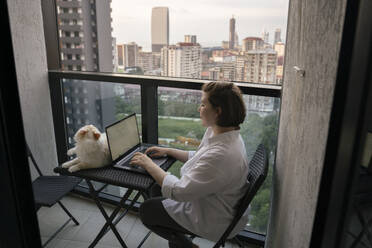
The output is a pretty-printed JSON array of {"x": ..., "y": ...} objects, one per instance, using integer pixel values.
[{"x": 219, "y": 111}]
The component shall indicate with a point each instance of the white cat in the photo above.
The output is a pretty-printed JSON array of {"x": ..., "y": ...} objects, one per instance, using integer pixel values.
[{"x": 91, "y": 150}]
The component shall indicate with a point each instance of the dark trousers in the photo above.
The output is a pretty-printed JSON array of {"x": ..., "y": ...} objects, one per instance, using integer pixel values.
[{"x": 155, "y": 217}]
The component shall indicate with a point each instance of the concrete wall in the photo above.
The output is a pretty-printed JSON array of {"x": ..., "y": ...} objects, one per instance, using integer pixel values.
[
  {"x": 31, "y": 66},
  {"x": 313, "y": 43}
]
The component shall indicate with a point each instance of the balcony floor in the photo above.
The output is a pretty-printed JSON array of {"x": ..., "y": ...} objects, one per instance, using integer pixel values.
[{"x": 91, "y": 221}]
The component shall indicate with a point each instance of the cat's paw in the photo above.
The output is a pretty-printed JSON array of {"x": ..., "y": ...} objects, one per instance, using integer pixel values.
[{"x": 70, "y": 152}]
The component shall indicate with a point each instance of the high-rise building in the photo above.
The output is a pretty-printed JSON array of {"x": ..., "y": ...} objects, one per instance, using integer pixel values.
[
  {"x": 149, "y": 62},
  {"x": 86, "y": 44},
  {"x": 265, "y": 36},
  {"x": 259, "y": 66},
  {"x": 115, "y": 54},
  {"x": 236, "y": 40},
  {"x": 181, "y": 60},
  {"x": 277, "y": 35},
  {"x": 159, "y": 28},
  {"x": 252, "y": 43},
  {"x": 190, "y": 38},
  {"x": 127, "y": 55},
  {"x": 232, "y": 33},
  {"x": 120, "y": 55},
  {"x": 225, "y": 44},
  {"x": 279, "y": 47}
]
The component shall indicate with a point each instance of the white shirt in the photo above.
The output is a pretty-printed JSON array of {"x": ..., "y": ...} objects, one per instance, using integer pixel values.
[{"x": 212, "y": 181}]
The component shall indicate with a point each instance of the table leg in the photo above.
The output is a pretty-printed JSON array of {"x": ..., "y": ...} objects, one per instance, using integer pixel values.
[{"x": 109, "y": 220}]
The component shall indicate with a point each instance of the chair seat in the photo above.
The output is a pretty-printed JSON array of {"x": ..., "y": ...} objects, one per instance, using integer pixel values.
[{"x": 50, "y": 189}]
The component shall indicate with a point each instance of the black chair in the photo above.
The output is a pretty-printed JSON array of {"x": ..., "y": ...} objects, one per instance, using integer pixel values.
[
  {"x": 258, "y": 168},
  {"x": 49, "y": 190}
]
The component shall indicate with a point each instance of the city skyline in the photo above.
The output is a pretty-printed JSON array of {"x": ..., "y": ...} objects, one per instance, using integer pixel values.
[{"x": 132, "y": 21}]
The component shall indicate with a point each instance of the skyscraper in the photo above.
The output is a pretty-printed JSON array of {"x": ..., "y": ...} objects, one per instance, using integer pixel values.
[
  {"x": 232, "y": 33},
  {"x": 86, "y": 44},
  {"x": 236, "y": 40},
  {"x": 252, "y": 43},
  {"x": 159, "y": 28},
  {"x": 85, "y": 35},
  {"x": 265, "y": 36},
  {"x": 181, "y": 60},
  {"x": 277, "y": 37},
  {"x": 190, "y": 38}
]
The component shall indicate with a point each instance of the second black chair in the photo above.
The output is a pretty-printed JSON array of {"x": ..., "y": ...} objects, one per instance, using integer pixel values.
[{"x": 49, "y": 190}]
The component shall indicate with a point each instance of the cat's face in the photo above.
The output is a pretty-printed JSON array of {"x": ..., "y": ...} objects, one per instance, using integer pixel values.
[{"x": 87, "y": 132}]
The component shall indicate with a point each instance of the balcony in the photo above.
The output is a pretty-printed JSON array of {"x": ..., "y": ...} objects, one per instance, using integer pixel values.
[
  {"x": 321, "y": 134},
  {"x": 170, "y": 118}
]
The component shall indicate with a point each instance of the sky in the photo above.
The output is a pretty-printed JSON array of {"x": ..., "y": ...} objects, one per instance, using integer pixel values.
[{"x": 207, "y": 19}]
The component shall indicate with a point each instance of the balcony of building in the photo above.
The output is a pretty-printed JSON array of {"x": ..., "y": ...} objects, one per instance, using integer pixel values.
[{"x": 320, "y": 116}]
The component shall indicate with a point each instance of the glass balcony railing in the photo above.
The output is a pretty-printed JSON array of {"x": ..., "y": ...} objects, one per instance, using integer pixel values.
[{"x": 167, "y": 113}]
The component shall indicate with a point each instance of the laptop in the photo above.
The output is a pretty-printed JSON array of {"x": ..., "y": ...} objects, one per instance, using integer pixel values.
[{"x": 123, "y": 141}]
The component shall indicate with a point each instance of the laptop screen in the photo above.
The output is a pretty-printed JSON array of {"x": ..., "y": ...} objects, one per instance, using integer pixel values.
[{"x": 122, "y": 136}]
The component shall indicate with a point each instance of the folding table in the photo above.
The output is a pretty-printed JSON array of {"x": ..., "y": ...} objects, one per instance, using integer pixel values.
[{"x": 112, "y": 176}]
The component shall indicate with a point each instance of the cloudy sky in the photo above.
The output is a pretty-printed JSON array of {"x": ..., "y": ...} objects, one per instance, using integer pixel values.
[{"x": 208, "y": 19}]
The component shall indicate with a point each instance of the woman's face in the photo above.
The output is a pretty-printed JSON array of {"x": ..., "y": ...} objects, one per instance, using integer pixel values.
[{"x": 208, "y": 114}]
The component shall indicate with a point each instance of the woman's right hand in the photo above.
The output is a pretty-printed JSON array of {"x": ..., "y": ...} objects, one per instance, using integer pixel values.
[{"x": 156, "y": 151}]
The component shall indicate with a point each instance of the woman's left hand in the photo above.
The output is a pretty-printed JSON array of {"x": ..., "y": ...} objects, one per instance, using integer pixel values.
[{"x": 141, "y": 159}]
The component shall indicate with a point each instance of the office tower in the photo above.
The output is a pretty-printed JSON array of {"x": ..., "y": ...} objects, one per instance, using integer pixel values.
[
  {"x": 86, "y": 44},
  {"x": 159, "y": 28},
  {"x": 252, "y": 43},
  {"x": 265, "y": 36},
  {"x": 127, "y": 55},
  {"x": 214, "y": 73},
  {"x": 130, "y": 54},
  {"x": 190, "y": 38},
  {"x": 259, "y": 66},
  {"x": 225, "y": 44},
  {"x": 181, "y": 60},
  {"x": 149, "y": 62},
  {"x": 85, "y": 35},
  {"x": 236, "y": 40},
  {"x": 232, "y": 33},
  {"x": 115, "y": 54},
  {"x": 279, "y": 47},
  {"x": 277, "y": 35},
  {"x": 120, "y": 55}
]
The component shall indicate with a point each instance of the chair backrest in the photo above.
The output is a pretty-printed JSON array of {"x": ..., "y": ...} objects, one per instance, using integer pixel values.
[
  {"x": 29, "y": 154},
  {"x": 258, "y": 168}
]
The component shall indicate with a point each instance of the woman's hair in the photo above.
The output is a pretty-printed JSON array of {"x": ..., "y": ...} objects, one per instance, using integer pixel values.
[{"x": 229, "y": 98}]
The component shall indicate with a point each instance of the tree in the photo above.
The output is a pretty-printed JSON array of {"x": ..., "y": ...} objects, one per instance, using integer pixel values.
[{"x": 254, "y": 131}]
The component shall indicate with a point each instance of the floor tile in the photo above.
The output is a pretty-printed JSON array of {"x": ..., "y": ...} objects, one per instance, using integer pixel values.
[{"x": 91, "y": 221}]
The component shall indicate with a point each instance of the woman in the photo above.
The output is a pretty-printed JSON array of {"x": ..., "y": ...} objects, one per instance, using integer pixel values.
[{"x": 213, "y": 178}]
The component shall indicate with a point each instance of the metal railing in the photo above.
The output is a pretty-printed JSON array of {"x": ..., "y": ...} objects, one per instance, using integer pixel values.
[{"x": 149, "y": 108}]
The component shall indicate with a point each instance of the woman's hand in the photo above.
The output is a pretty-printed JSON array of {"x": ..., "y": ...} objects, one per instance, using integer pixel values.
[
  {"x": 156, "y": 151},
  {"x": 145, "y": 162},
  {"x": 142, "y": 160}
]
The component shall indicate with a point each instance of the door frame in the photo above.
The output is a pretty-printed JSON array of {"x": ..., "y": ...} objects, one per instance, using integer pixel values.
[
  {"x": 18, "y": 225},
  {"x": 348, "y": 124}
]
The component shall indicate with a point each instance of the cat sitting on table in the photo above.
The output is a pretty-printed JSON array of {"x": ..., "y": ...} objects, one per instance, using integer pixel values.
[{"x": 91, "y": 150}]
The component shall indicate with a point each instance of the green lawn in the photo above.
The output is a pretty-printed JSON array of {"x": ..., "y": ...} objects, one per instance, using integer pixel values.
[{"x": 171, "y": 128}]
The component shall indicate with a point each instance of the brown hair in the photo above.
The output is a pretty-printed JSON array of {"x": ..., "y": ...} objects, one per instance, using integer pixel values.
[{"x": 229, "y": 98}]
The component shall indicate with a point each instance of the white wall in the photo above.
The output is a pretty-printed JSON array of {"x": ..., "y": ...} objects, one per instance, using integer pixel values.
[{"x": 31, "y": 67}]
